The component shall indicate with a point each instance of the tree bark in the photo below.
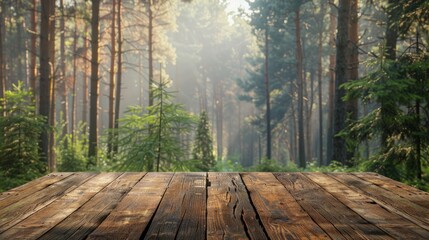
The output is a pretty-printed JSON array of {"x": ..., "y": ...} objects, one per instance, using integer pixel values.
[
  {"x": 391, "y": 42},
  {"x": 44, "y": 83},
  {"x": 20, "y": 45},
  {"x": 94, "y": 100},
  {"x": 391, "y": 30},
  {"x": 85, "y": 100},
  {"x": 352, "y": 105},
  {"x": 218, "y": 95},
  {"x": 342, "y": 75},
  {"x": 119, "y": 73},
  {"x": 204, "y": 92},
  {"x": 331, "y": 91},
  {"x": 111, "y": 114},
  {"x": 150, "y": 51},
  {"x": 2, "y": 69},
  {"x": 64, "y": 101},
  {"x": 319, "y": 82},
  {"x": 417, "y": 164},
  {"x": 300, "y": 83},
  {"x": 74, "y": 99},
  {"x": 33, "y": 67},
  {"x": 267, "y": 95},
  {"x": 52, "y": 114}
]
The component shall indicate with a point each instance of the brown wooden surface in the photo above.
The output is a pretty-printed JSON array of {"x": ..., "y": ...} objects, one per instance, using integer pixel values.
[{"x": 214, "y": 206}]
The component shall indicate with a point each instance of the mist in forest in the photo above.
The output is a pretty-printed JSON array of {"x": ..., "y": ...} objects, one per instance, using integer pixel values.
[{"x": 214, "y": 85}]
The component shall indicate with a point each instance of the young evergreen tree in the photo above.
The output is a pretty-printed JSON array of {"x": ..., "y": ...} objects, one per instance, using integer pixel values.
[
  {"x": 20, "y": 128},
  {"x": 203, "y": 148},
  {"x": 149, "y": 139}
]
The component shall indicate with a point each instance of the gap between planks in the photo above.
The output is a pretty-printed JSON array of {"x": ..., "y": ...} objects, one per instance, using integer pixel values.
[{"x": 251, "y": 200}]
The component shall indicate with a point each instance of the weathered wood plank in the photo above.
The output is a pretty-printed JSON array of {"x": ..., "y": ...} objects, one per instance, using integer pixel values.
[
  {"x": 133, "y": 214},
  {"x": 316, "y": 200},
  {"x": 18, "y": 211},
  {"x": 230, "y": 214},
  {"x": 413, "y": 212},
  {"x": 397, "y": 226},
  {"x": 83, "y": 221},
  {"x": 414, "y": 195},
  {"x": 43, "y": 220},
  {"x": 182, "y": 211},
  {"x": 15, "y": 194},
  {"x": 281, "y": 215}
]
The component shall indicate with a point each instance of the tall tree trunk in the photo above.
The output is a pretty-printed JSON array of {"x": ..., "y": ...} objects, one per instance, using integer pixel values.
[
  {"x": 141, "y": 85},
  {"x": 45, "y": 80},
  {"x": 299, "y": 69},
  {"x": 52, "y": 114},
  {"x": 33, "y": 67},
  {"x": 64, "y": 101},
  {"x": 119, "y": 73},
  {"x": 218, "y": 95},
  {"x": 239, "y": 134},
  {"x": 150, "y": 164},
  {"x": 342, "y": 75},
  {"x": 111, "y": 114},
  {"x": 331, "y": 90},
  {"x": 391, "y": 30},
  {"x": 319, "y": 82},
  {"x": 294, "y": 126},
  {"x": 391, "y": 42},
  {"x": 204, "y": 92},
  {"x": 74, "y": 98},
  {"x": 161, "y": 113},
  {"x": 150, "y": 50},
  {"x": 352, "y": 105},
  {"x": 85, "y": 100},
  {"x": 417, "y": 165},
  {"x": 309, "y": 103},
  {"x": 292, "y": 136},
  {"x": 20, "y": 44},
  {"x": 9, "y": 70},
  {"x": 267, "y": 95},
  {"x": 2, "y": 69},
  {"x": 95, "y": 85}
]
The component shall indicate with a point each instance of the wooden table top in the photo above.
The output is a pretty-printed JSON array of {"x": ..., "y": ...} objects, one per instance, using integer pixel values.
[{"x": 214, "y": 206}]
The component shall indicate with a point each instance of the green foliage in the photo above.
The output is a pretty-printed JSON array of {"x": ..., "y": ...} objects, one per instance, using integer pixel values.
[
  {"x": 334, "y": 166},
  {"x": 72, "y": 153},
  {"x": 227, "y": 166},
  {"x": 268, "y": 165},
  {"x": 400, "y": 88},
  {"x": 20, "y": 130},
  {"x": 203, "y": 145},
  {"x": 146, "y": 138}
]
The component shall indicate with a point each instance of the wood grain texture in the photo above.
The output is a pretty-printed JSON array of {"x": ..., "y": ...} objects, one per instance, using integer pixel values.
[
  {"x": 315, "y": 200},
  {"x": 392, "y": 223},
  {"x": 389, "y": 200},
  {"x": 23, "y": 208},
  {"x": 13, "y": 195},
  {"x": 182, "y": 212},
  {"x": 133, "y": 214},
  {"x": 45, "y": 219},
  {"x": 230, "y": 214},
  {"x": 86, "y": 219},
  {"x": 281, "y": 215},
  {"x": 412, "y": 194},
  {"x": 214, "y": 206}
]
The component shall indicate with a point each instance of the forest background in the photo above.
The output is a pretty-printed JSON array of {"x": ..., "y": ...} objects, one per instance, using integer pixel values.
[{"x": 202, "y": 85}]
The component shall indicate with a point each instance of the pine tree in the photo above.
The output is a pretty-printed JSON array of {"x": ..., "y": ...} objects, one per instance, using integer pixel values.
[
  {"x": 149, "y": 139},
  {"x": 20, "y": 128},
  {"x": 203, "y": 149}
]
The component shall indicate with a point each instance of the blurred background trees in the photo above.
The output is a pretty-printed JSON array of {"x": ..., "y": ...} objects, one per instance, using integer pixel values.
[{"x": 282, "y": 84}]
